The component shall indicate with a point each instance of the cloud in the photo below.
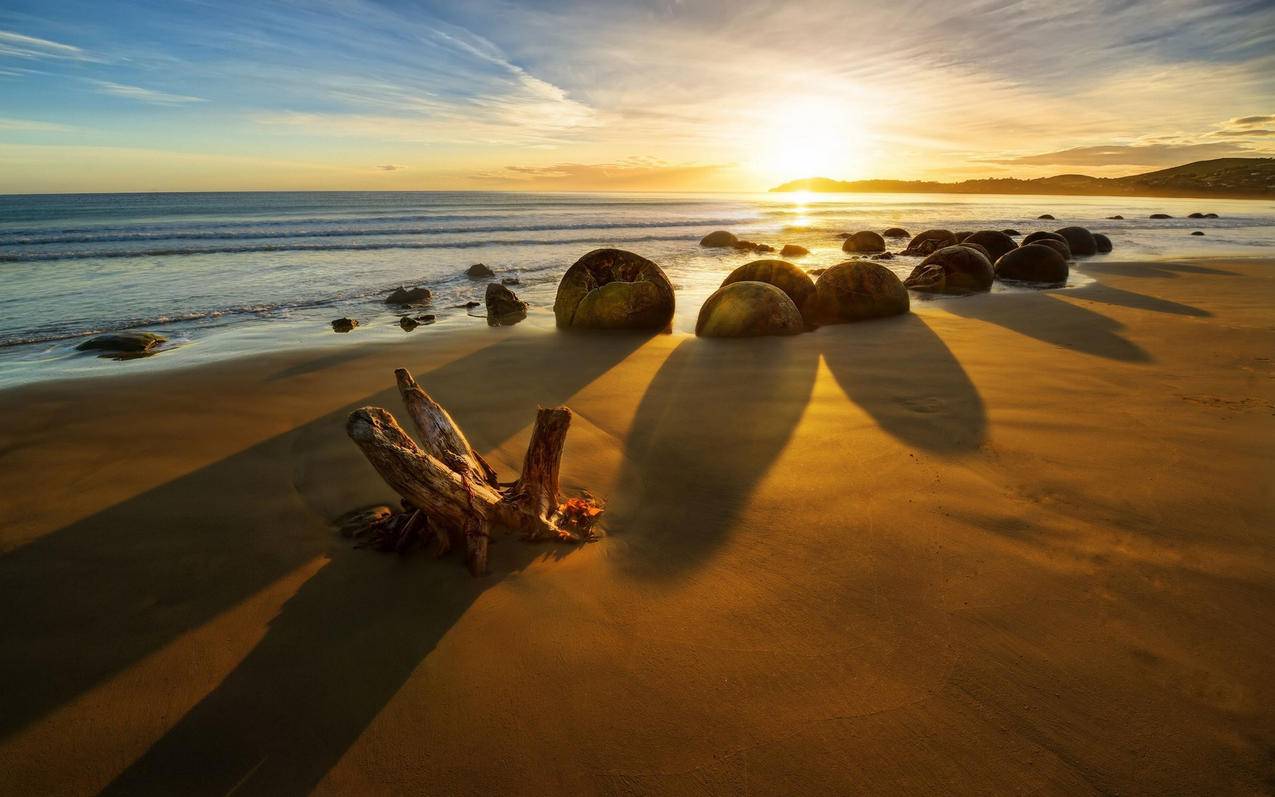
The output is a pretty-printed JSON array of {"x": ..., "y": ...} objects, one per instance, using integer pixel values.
[
  {"x": 633, "y": 173},
  {"x": 1130, "y": 155},
  {"x": 1252, "y": 120},
  {"x": 143, "y": 95},
  {"x": 17, "y": 45},
  {"x": 32, "y": 126},
  {"x": 1251, "y": 133},
  {"x": 389, "y": 167}
]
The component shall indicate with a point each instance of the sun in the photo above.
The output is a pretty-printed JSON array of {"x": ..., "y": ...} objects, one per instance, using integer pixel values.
[{"x": 809, "y": 139}]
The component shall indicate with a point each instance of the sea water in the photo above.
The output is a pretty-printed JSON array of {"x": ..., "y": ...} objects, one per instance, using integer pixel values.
[{"x": 227, "y": 274}]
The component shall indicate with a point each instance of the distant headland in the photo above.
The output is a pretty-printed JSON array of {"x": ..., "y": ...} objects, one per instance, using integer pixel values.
[{"x": 1230, "y": 178}]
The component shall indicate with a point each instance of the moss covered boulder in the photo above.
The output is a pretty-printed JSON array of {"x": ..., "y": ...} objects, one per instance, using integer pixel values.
[
  {"x": 614, "y": 289},
  {"x": 954, "y": 270},
  {"x": 748, "y": 309},
  {"x": 794, "y": 282},
  {"x": 1036, "y": 263},
  {"x": 858, "y": 290}
]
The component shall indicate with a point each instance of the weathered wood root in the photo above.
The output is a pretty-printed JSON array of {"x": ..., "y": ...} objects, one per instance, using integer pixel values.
[{"x": 452, "y": 495}]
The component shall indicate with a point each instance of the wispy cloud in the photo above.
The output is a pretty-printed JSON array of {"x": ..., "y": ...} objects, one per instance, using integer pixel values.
[
  {"x": 634, "y": 173},
  {"x": 17, "y": 45},
  {"x": 143, "y": 94},
  {"x": 32, "y": 126},
  {"x": 389, "y": 167}
]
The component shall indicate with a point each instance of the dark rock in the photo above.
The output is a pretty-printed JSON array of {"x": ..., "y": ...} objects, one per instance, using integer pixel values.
[
  {"x": 864, "y": 241},
  {"x": 744, "y": 246},
  {"x": 123, "y": 342},
  {"x": 962, "y": 235},
  {"x": 794, "y": 282},
  {"x": 1196, "y": 215},
  {"x": 748, "y": 309},
  {"x": 469, "y": 305},
  {"x": 980, "y": 249},
  {"x": 858, "y": 290},
  {"x": 1045, "y": 217},
  {"x": 1079, "y": 240},
  {"x": 1033, "y": 263},
  {"x": 1210, "y": 215},
  {"x": 996, "y": 243},
  {"x": 344, "y": 324},
  {"x": 511, "y": 281},
  {"x": 793, "y": 250},
  {"x": 897, "y": 232},
  {"x": 814, "y": 272},
  {"x": 614, "y": 289},
  {"x": 1102, "y": 242},
  {"x": 479, "y": 271},
  {"x": 1011, "y": 232},
  {"x": 408, "y": 296},
  {"x": 1116, "y": 217},
  {"x": 503, "y": 307},
  {"x": 883, "y": 256},
  {"x": 763, "y": 248},
  {"x": 930, "y": 242},
  {"x": 1039, "y": 234},
  {"x": 1160, "y": 216},
  {"x": 952, "y": 269},
  {"x": 408, "y": 323},
  {"x": 1197, "y": 232},
  {"x": 717, "y": 239},
  {"x": 1053, "y": 243},
  {"x": 844, "y": 234}
]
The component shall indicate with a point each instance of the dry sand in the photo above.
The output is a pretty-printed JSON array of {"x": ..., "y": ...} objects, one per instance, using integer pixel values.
[{"x": 1004, "y": 544}]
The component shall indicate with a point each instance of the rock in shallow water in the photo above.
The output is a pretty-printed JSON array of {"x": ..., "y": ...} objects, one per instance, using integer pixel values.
[
  {"x": 896, "y": 232},
  {"x": 995, "y": 242},
  {"x": 1102, "y": 242},
  {"x": 858, "y": 290},
  {"x": 503, "y": 307},
  {"x": 1058, "y": 246},
  {"x": 614, "y": 289},
  {"x": 929, "y": 242},
  {"x": 1042, "y": 234},
  {"x": 479, "y": 271},
  {"x": 1079, "y": 240},
  {"x": 864, "y": 241},
  {"x": 123, "y": 342},
  {"x": 718, "y": 238},
  {"x": 793, "y": 250},
  {"x": 952, "y": 270},
  {"x": 1035, "y": 263},
  {"x": 408, "y": 296},
  {"x": 344, "y": 324},
  {"x": 748, "y": 309}
]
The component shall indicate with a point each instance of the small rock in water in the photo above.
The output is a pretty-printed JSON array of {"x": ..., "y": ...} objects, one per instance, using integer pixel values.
[
  {"x": 344, "y": 324},
  {"x": 408, "y": 323},
  {"x": 864, "y": 241},
  {"x": 1197, "y": 232},
  {"x": 1117, "y": 216},
  {"x": 1045, "y": 217},
  {"x": 1160, "y": 216},
  {"x": 479, "y": 271},
  {"x": 793, "y": 250},
  {"x": 883, "y": 256},
  {"x": 844, "y": 235},
  {"x": 1210, "y": 215},
  {"x": 123, "y": 342},
  {"x": 1196, "y": 215},
  {"x": 406, "y": 296},
  {"x": 718, "y": 239},
  {"x": 896, "y": 232},
  {"x": 763, "y": 248},
  {"x": 503, "y": 307},
  {"x": 511, "y": 281},
  {"x": 470, "y": 305}
]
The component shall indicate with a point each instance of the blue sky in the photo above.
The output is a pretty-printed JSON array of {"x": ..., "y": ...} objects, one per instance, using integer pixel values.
[{"x": 184, "y": 95}]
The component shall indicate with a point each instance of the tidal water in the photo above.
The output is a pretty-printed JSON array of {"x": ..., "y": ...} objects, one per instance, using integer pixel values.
[{"x": 227, "y": 274}]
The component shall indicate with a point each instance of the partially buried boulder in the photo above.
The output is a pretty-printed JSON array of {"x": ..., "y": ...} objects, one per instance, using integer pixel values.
[
  {"x": 123, "y": 342},
  {"x": 1011, "y": 232},
  {"x": 1102, "y": 242},
  {"x": 408, "y": 296},
  {"x": 1079, "y": 240},
  {"x": 1117, "y": 216},
  {"x": 1045, "y": 217},
  {"x": 479, "y": 271},
  {"x": 953, "y": 270},
  {"x": 1160, "y": 216},
  {"x": 719, "y": 238},
  {"x": 864, "y": 241},
  {"x": 1197, "y": 232},
  {"x": 897, "y": 232},
  {"x": 1053, "y": 243},
  {"x": 1033, "y": 263},
  {"x": 794, "y": 282},
  {"x": 793, "y": 250},
  {"x": 858, "y": 290},
  {"x": 995, "y": 242},
  {"x": 503, "y": 307},
  {"x": 929, "y": 242},
  {"x": 1039, "y": 234},
  {"x": 1210, "y": 215},
  {"x": 614, "y": 289},
  {"x": 748, "y": 309},
  {"x": 961, "y": 235},
  {"x": 1196, "y": 215}
]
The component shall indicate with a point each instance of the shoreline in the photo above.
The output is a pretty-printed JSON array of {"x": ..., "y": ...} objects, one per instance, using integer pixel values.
[{"x": 990, "y": 545}]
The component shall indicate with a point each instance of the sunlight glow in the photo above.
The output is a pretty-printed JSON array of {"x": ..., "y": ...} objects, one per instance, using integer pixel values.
[{"x": 809, "y": 140}]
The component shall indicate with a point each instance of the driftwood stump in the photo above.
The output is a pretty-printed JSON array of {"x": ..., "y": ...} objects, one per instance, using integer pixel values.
[{"x": 451, "y": 496}]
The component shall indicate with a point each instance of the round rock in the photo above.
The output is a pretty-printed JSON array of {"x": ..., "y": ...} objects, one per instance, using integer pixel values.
[
  {"x": 954, "y": 270},
  {"x": 1053, "y": 243},
  {"x": 1033, "y": 263},
  {"x": 1102, "y": 242},
  {"x": 793, "y": 250},
  {"x": 864, "y": 241},
  {"x": 897, "y": 232},
  {"x": 746, "y": 310},
  {"x": 614, "y": 289},
  {"x": 1079, "y": 240},
  {"x": 720, "y": 238},
  {"x": 794, "y": 282},
  {"x": 929, "y": 242},
  {"x": 995, "y": 242},
  {"x": 858, "y": 290}
]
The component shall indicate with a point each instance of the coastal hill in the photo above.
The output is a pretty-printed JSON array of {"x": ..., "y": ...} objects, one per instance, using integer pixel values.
[{"x": 1235, "y": 178}]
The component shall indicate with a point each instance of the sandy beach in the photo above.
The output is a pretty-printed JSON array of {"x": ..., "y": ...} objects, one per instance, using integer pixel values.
[{"x": 1009, "y": 543}]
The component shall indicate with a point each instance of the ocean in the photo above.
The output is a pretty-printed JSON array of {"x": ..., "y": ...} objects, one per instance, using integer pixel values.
[{"x": 227, "y": 274}]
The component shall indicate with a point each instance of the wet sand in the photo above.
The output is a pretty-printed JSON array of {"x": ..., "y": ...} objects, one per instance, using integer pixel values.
[{"x": 1008, "y": 543}]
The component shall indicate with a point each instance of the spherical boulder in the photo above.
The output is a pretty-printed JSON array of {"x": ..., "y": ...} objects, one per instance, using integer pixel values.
[
  {"x": 864, "y": 241},
  {"x": 1196, "y": 215},
  {"x": 980, "y": 249},
  {"x": 1079, "y": 240},
  {"x": 719, "y": 238},
  {"x": 793, "y": 250},
  {"x": 1197, "y": 232},
  {"x": 614, "y": 289},
  {"x": 1045, "y": 217},
  {"x": 1033, "y": 263},
  {"x": 1210, "y": 215},
  {"x": 961, "y": 235},
  {"x": 794, "y": 282},
  {"x": 748, "y": 309},
  {"x": 952, "y": 269},
  {"x": 1036, "y": 236},
  {"x": 929, "y": 242},
  {"x": 1159, "y": 216},
  {"x": 1011, "y": 231},
  {"x": 858, "y": 290},
  {"x": 995, "y": 242},
  {"x": 897, "y": 232},
  {"x": 1102, "y": 242},
  {"x": 1058, "y": 246}
]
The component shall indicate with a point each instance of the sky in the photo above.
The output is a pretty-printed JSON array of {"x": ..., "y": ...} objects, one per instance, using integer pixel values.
[{"x": 187, "y": 95}]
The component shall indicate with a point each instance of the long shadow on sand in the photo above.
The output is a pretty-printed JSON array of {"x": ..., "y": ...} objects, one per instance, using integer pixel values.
[{"x": 88, "y": 601}]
